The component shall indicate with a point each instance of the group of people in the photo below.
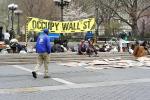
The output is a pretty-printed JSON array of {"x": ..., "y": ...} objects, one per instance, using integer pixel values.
[
  {"x": 60, "y": 45},
  {"x": 12, "y": 45},
  {"x": 88, "y": 48},
  {"x": 139, "y": 49},
  {"x": 43, "y": 48}
]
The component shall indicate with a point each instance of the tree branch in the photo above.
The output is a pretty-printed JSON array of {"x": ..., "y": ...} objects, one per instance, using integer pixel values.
[{"x": 142, "y": 11}]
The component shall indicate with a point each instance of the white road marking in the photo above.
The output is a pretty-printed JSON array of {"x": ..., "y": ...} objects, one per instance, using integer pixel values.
[
  {"x": 26, "y": 69},
  {"x": 144, "y": 67},
  {"x": 62, "y": 81},
  {"x": 73, "y": 86},
  {"x": 56, "y": 79}
]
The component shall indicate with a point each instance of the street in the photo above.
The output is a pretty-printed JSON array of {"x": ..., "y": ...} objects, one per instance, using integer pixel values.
[{"x": 74, "y": 83}]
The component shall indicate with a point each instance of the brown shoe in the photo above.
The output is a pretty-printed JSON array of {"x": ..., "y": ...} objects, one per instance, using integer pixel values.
[{"x": 46, "y": 76}]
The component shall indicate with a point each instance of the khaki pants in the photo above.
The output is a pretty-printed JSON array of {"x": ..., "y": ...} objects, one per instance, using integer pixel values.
[{"x": 42, "y": 59}]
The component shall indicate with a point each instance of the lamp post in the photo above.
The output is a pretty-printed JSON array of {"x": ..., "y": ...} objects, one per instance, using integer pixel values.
[
  {"x": 12, "y": 7},
  {"x": 18, "y": 13},
  {"x": 62, "y": 3}
]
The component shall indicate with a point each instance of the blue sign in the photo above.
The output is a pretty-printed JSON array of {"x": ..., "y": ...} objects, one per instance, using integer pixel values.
[{"x": 53, "y": 36}]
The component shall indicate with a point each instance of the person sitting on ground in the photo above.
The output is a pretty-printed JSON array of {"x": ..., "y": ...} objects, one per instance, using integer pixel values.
[
  {"x": 139, "y": 52},
  {"x": 91, "y": 48},
  {"x": 82, "y": 48},
  {"x": 21, "y": 47},
  {"x": 13, "y": 44}
]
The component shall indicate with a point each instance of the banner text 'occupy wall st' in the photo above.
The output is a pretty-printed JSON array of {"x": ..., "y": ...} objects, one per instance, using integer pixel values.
[{"x": 84, "y": 25}]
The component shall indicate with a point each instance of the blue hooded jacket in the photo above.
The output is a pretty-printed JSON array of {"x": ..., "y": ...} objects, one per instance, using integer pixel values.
[{"x": 43, "y": 43}]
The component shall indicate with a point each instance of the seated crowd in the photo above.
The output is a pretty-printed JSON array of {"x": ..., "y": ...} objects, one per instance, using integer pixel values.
[{"x": 88, "y": 48}]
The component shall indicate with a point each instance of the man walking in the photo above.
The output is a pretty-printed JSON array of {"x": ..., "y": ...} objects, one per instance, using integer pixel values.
[{"x": 43, "y": 48}]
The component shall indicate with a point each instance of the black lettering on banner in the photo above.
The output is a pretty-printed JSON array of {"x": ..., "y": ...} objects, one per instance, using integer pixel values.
[
  {"x": 49, "y": 25},
  {"x": 34, "y": 24},
  {"x": 44, "y": 25},
  {"x": 65, "y": 26},
  {"x": 78, "y": 26},
  {"x": 86, "y": 24},
  {"x": 52, "y": 25},
  {"x": 39, "y": 25},
  {"x": 74, "y": 26},
  {"x": 71, "y": 26},
  {"x": 89, "y": 24},
  {"x": 93, "y": 27},
  {"x": 56, "y": 25}
]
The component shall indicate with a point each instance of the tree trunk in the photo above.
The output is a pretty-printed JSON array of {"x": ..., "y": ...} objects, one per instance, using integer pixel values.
[
  {"x": 107, "y": 28},
  {"x": 143, "y": 29},
  {"x": 134, "y": 26},
  {"x": 135, "y": 31}
]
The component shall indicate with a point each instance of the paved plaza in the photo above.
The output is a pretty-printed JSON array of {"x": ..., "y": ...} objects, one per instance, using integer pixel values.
[{"x": 75, "y": 83}]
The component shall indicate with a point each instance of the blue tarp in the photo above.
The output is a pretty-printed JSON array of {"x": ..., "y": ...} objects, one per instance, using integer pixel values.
[{"x": 53, "y": 36}]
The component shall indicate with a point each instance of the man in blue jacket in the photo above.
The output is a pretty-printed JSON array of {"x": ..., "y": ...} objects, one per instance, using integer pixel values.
[{"x": 43, "y": 48}]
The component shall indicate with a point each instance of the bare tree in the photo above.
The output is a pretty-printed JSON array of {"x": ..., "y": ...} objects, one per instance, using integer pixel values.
[
  {"x": 106, "y": 15},
  {"x": 39, "y": 8},
  {"x": 94, "y": 8},
  {"x": 144, "y": 24},
  {"x": 4, "y": 12},
  {"x": 134, "y": 9},
  {"x": 74, "y": 12}
]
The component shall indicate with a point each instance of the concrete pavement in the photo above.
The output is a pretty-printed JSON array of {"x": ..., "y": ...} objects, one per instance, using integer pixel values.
[{"x": 74, "y": 83}]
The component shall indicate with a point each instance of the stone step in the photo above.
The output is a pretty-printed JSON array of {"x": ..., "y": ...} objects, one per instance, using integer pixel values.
[
  {"x": 56, "y": 57},
  {"x": 60, "y": 59},
  {"x": 33, "y": 61},
  {"x": 59, "y": 55}
]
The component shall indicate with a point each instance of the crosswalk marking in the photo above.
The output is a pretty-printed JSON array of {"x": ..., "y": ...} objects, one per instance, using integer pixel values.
[
  {"x": 26, "y": 69},
  {"x": 62, "y": 81},
  {"x": 56, "y": 79}
]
